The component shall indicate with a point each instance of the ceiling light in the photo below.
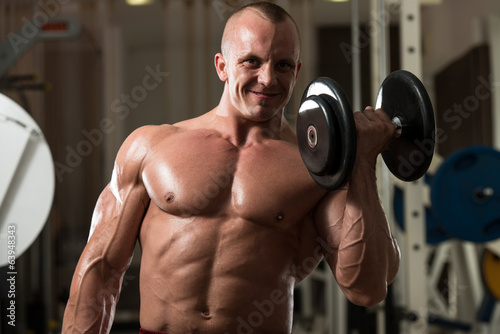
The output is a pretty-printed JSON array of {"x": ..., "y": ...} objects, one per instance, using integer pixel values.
[{"x": 139, "y": 2}]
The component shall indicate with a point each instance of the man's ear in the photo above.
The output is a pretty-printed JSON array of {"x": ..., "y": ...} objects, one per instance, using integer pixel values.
[
  {"x": 298, "y": 69},
  {"x": 220, "y": 67}
]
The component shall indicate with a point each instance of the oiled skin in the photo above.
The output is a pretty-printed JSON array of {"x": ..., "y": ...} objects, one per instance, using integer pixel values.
[
  {"x": 227, "y": 216},
  {"x": 226, "y": 237}
]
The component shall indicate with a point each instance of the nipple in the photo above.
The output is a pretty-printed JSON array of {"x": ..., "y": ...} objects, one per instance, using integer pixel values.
[
  {"x": 169, "y": 197},
  {"x": 279, "y": 216}
]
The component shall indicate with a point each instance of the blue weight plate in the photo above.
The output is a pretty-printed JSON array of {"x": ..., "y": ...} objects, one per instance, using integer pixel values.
[
  {"x": 434, "y": 233},
  {"x": 465, "y": 194},
  {"x": 330, "y": 160},
  {"x": 404, "y": 96}
]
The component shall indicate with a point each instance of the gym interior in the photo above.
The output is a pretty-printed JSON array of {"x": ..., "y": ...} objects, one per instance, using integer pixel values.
[{"x": 76, "y": 77}]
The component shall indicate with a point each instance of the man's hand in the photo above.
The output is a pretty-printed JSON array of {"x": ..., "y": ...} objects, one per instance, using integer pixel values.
[{"x": 375, "y": 132}]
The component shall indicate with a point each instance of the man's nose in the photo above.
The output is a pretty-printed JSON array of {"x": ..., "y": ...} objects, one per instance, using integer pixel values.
[{"x": 267, "y": 75}]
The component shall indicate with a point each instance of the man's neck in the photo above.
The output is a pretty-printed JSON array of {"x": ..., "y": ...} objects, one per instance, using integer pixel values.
[{"x": 243, "y": 132}]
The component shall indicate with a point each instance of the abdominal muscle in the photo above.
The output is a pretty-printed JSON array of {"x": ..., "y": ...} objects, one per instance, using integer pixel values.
[{"x": 215, "y": 275}]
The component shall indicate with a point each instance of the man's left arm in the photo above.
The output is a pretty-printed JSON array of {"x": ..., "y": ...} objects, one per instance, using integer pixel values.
[{"x": 356, "y": 238}]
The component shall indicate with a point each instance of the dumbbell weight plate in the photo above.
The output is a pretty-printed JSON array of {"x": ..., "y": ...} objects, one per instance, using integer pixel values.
[
  {"x": 490, "y": 272},
  {"x": 465, "y": 194},
  {"x": 326, "y": 133},
  {"x": 403, "y": 95}
]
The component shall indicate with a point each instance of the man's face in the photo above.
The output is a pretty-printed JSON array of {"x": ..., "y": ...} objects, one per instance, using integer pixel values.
[{"x": 261, "y": 66}]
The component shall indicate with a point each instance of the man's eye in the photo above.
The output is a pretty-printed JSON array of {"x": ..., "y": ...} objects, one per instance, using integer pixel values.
[
  {"x": 251, "y": 62},
  {"x": 284, "y": 66}
]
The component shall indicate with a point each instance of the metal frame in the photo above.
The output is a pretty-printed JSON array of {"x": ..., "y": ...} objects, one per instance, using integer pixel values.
[{"x": 414, "y": 253}]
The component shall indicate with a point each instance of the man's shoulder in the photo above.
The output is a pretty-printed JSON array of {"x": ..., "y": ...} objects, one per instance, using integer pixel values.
[
  {"x": 193, "y": 124},
  {"x": 141, "y": 140},
  {"x": 148, "y": 133},
  {"x": 154, "y": 135}
]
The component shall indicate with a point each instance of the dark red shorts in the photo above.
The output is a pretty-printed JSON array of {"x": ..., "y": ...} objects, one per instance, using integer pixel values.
[{"x": 144, "y": 331}]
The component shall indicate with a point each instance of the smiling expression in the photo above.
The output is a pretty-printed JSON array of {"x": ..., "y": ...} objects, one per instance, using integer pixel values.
[{"x": 259, "y": 64}]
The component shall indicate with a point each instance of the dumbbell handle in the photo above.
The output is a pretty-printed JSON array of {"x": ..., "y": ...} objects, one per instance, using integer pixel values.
[
  {"x": 399, "y": 126},
  {"x": 312, "y": 135}
]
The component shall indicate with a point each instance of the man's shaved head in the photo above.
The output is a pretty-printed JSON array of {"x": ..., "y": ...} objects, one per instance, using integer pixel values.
[{"x": 267, "y": 10}]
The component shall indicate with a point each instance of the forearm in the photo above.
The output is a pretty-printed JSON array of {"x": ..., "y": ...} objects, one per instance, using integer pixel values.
[
  {"x": 368, "y": 254},
  {"x": 93, "y": 297}
]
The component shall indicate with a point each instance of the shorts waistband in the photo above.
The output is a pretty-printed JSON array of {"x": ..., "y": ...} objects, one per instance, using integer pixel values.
[{"x": 145, "y": 331}]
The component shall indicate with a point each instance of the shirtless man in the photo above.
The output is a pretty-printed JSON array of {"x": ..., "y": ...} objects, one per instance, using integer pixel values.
[{"x": 228, "y": 218}]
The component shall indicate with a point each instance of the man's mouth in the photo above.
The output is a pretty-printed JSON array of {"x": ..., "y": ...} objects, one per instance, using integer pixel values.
[{"x": 264, "y": 95}]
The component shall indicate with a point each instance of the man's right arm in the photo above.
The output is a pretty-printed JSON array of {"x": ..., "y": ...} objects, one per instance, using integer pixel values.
[{"x": 117, "y": 217}]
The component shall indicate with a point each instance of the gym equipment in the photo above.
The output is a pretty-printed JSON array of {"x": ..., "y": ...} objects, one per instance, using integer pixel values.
[
  {"x": 490, "y": 272},
  {"x": 434, "y": 233},
  {"x": 465, "y": 194},
  {"x": 19, "y": 42},
  {"x": 28, "y": 180},
  {"x": 404, "y": 98},
  {"x": 432, "y": 319},
  {"x": 486, "y": 308},
  {"x": 326, "y": 131}
]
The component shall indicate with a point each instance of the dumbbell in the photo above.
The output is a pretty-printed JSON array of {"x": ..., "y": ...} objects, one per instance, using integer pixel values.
[{"x": 326, "y": 131}]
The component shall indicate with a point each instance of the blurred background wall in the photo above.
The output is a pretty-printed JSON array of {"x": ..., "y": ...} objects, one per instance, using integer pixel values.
[{"x": 153, "y": 64}]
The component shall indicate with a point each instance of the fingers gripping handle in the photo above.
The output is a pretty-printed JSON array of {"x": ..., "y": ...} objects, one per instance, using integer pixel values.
[
  {"x": 398, "y": 124},
  {"x": 326, "y": 131}
]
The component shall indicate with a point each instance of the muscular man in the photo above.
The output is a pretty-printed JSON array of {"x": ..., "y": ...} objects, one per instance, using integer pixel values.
[{"x": 228, "y": 218}]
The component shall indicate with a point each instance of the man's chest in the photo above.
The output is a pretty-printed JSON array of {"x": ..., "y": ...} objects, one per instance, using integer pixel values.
[{"x": 262, "y": 183}]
